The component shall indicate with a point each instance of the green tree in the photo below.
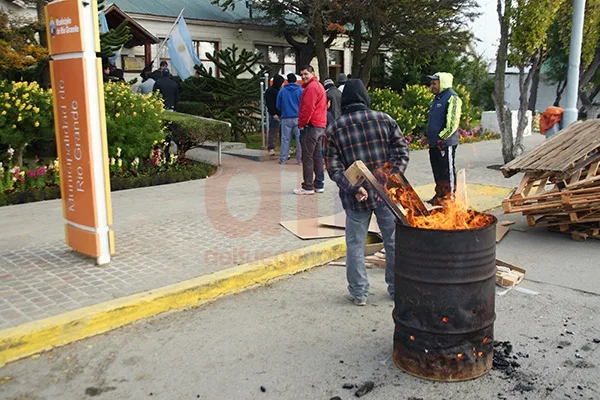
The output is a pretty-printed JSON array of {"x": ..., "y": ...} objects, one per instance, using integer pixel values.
[
  {"x": 418, "y": 28},
  {"x": 524, "y": 26},
  {"x": 114, "y": 39},
  {"x": 311, "y": 19},
  {"x": 229, "y": 98}
]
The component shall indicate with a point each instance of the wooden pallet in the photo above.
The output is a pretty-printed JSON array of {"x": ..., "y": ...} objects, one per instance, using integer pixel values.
[
  {"x": 580, "y": 232},
  {"x": 571, "y": 149}
]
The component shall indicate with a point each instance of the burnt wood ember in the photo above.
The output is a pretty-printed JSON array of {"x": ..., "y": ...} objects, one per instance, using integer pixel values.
[{"x": 445, "y": 302}]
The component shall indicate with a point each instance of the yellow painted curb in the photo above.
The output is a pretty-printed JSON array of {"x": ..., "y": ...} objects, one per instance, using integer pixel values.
[{"x": 38, "y": 336}]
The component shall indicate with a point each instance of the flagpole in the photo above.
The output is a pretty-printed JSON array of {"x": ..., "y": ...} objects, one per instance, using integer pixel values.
[{"x": 168, "y": 36}]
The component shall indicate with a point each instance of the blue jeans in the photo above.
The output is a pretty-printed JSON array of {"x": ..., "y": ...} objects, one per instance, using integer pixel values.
[
  {"x": 289, "y": 125},
  {"x": 357, "y": 227}
]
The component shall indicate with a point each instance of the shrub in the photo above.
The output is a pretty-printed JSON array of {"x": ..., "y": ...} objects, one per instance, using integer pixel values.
[
  {"x": 229, "y": 98},
  {"x": 189, "y": 131},
  {"x": 470, "y": 114},
  {"x": 133, "y": 121},
  {"x": 26, "y": 116},
  {"x": 194, "y": 108},
  {"x": 411, "y": 108}
]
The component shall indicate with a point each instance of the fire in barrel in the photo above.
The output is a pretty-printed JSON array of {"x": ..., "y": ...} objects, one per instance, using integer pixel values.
[{"x": 445, "y": 284}]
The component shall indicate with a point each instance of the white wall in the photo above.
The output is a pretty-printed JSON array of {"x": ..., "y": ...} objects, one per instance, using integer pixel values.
[{"x": 545, "y": 98}]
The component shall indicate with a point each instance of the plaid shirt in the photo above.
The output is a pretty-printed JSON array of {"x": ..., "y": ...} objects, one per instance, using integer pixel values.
[{"x": 370, "y": 136}]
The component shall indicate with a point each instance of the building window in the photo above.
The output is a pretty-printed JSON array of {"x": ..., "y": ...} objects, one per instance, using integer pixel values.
[
  {"x": 281, "y": 60},
  {"x": 335, "y": 60},
  {"x": 212, "y": 48}
]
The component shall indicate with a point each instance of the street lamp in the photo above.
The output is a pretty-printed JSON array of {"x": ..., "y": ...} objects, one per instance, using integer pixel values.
[{"x": 570, "y": 114}]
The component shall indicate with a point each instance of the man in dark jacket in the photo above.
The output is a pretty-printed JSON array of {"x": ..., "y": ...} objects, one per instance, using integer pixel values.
[
  {"x": 374, "y": 138},
  {"x": 442, "y": 135},
  {"x": 168, "y": 89},
  {"x": 274, "y": 113},
  {"x": 312, "y": 121},
  {"x": 288, "y": 102},
  {"x": 334, "y": 96}
]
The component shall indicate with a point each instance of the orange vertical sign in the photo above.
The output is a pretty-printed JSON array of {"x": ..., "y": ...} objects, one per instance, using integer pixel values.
[
  {"x": 73, "y": 140},
  {"x": 63, "y": 19}
]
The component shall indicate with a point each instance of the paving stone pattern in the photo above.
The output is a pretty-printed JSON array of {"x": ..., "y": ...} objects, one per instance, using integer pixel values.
[{"x": 170, "y": 233}]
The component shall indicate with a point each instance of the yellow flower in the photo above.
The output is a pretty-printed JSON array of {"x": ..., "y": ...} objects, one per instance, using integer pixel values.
[
  {"x": 19, "y": 118},
  {"x": 36, "y": 124},
  {"x": 14, "y": 126},
  {"x": 134, "y": 113},
  {"x": 36, "y": 110},
  {"x": 7, "y": 105},
  {"x": 18, "y": 102},
  {"x": 4, "y": 112},
  {"x": 29, "y": 107},
  {"x": 117, "y": 115}
]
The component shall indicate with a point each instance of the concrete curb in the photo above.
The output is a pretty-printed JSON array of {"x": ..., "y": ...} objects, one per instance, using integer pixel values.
[{"x": 35, "y": 337}]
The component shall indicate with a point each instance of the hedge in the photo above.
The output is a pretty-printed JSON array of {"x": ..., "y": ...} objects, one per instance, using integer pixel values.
[{"x": 189, "y": 131}]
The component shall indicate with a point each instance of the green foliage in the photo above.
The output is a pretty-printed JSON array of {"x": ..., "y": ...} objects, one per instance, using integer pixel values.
[
  {"x": 469, "y": 113},
  {"x": 411, "y": 107},
  {"x": 529, "y": 24},
  {"x": 229, "y": 98},
  {"x": 133, "y": 121},
  {"x": 26, "y": 116},
  {"x": 30, "y": 189},
  {"x": 114, "y": 39},
  {"x": 189, "y": 131},
  {"x": 471, "y": 71}
]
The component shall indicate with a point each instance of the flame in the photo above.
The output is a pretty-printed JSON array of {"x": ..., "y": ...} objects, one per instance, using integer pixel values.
[{"x": 454, "y": 215}]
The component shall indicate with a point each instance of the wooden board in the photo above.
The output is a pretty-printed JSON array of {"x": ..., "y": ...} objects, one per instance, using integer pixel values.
[
  {"x": 501, "y": 231},
  {"x": 359, "y": 168},
  {"x": 508, "y": 275}
]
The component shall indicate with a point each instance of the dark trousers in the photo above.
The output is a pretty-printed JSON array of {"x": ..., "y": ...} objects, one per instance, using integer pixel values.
[
  {"x": 312, "y": 158},
  {"x": 444, "y": 171}
]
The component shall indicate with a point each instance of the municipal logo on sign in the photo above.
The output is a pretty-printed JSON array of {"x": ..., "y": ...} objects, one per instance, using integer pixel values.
[{"x": 52, "y": 27}]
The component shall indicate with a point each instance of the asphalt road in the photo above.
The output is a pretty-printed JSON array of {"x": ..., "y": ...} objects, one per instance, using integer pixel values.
[{"x": 299, "y": 338}]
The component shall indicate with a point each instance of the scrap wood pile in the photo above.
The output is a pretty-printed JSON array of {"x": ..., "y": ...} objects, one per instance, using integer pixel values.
[{"x": 561, "y": 186}]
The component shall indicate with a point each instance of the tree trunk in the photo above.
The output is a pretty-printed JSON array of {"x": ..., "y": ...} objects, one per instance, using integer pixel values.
[
  {"x": 535, "y": 83},
  {"x": 524, "y": 86},
  {"x": 560, "y": 88},
  {"x": 502, "y": 112},
  {"x": 356, "y": 47},
  {"x": 306, "y": 51},
  {"x": 320, "y": 47},
  {"x": 45, "y": 71},
  {"x": 367, "y": 60}
]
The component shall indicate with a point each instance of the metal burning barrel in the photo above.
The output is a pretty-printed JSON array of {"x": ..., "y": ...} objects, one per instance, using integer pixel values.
[{"x": 444, "y": 306}]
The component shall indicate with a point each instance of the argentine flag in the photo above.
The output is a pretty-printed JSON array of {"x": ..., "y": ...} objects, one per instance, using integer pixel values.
[{"x": 182, "y": 52}]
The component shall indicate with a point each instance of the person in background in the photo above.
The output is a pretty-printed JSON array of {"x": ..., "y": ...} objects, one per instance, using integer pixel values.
[
  {"x": 274, "y": 113},
  {"x": 288, "y": 102},
  {"x": 312, "y": 121},
  {"x": 374, "y": 138},
  {"x": 341, "y": 81},
  {"x": 168, "y": 89},
  {"x": 442, "y": 136},
  {"x": 334, "y": 96}
]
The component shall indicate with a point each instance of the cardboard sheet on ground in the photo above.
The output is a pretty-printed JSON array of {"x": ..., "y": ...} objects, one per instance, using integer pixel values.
[
  {"x": 339, "y": 220},
  {"x": 323, "y": 227},
  {"x": 311, "y": 229}
]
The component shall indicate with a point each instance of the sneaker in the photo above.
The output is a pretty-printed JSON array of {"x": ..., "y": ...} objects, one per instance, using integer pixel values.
[
  {"x": 303, "y": 191},
  {"x": 356, "y": 300},
  {"x": 271, "y": 152},
  {"x": 320, "y": 190},
  {"x": 281, "y": 162}
]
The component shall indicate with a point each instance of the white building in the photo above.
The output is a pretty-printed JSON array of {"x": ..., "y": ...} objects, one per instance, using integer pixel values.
[{"x": 212, "y": 29}]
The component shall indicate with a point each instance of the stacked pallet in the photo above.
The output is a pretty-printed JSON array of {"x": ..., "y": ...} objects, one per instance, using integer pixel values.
[{"x": 561, "y": 186}]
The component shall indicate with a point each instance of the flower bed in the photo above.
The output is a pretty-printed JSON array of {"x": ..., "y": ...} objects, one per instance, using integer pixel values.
[{"x": 41, "y": 182}]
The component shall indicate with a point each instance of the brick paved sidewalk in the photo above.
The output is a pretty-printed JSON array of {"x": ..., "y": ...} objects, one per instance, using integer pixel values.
[
  {"x": 170, "y": 233},
  {"x": 164, "y": 235}
]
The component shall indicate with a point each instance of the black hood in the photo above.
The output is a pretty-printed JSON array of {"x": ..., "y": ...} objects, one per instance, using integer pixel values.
[
  {"x": 355, "y": 96},
  {"x": 278, "y": 81}
]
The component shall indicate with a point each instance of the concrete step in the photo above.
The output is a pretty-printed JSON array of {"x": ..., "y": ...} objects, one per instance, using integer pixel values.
[
  {"x": 225, "y": 146},
  {"x": 250, "y": 154}
]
